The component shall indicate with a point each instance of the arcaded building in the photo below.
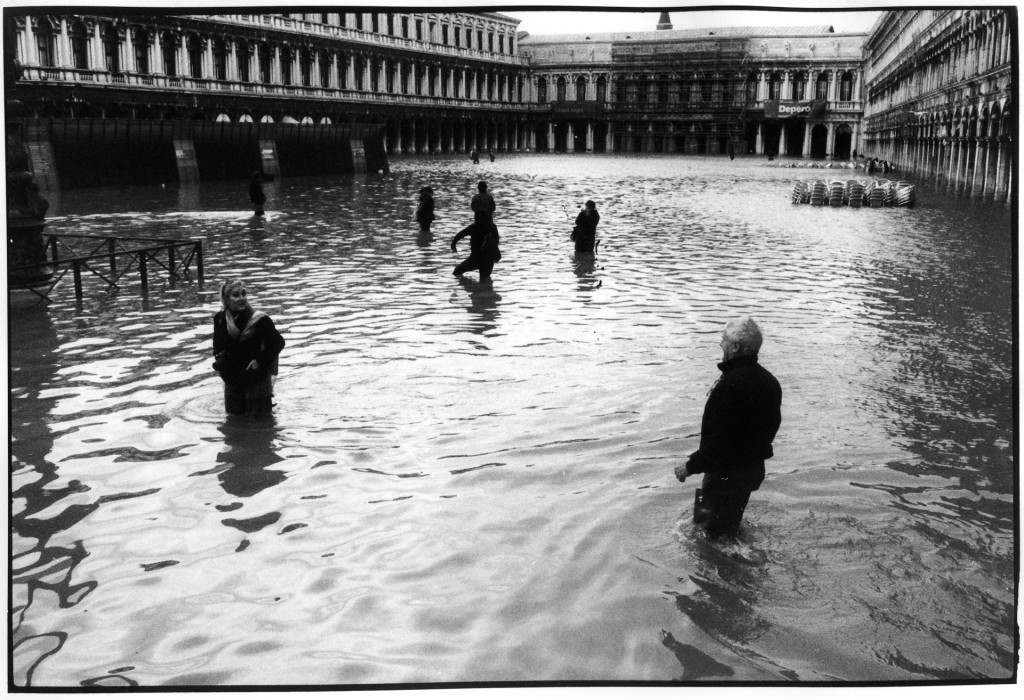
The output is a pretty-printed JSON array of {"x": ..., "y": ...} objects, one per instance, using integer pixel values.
[
  {"x": 436, "y": 82},
  {"x": 791, "y": 91},
  {"x": 940, "y": 95}
]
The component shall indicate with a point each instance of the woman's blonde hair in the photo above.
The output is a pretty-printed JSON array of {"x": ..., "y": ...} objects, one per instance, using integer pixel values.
[{"x": 225, "y": 290}]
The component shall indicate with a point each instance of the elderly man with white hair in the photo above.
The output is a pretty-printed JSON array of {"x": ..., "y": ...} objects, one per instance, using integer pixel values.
[{"x": 741, "y": 417}]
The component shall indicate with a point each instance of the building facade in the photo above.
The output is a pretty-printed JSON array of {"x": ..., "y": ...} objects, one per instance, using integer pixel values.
[
  {"x": 437, "y": 82},
  {"x": 793, "y": 91},
  {"x": 929, "y": 89},
  {"x": 939, "y": 100}
]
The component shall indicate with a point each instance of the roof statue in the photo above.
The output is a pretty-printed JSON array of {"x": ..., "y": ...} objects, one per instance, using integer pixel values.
[{"x": 664, "y": 22}]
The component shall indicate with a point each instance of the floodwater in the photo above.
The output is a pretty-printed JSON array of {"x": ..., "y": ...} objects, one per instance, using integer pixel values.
[{"x": 473, "y": 483}]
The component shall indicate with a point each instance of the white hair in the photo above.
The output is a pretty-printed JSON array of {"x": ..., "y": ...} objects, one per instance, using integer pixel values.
[{"x": 744, "y": 332}]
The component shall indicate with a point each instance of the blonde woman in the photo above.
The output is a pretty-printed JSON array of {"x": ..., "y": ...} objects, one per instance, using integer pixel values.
[{"x": 246, "y": 345}]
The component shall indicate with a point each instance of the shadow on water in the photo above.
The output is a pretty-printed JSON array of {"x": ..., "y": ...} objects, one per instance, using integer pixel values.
[
  {"x": 243, "y": 468},
  {"x": 37, "y": 566},
  {"x": 483, "y": 304}
]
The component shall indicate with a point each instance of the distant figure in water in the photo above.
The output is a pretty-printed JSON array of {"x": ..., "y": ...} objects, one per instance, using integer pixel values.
[
  {"x": 491, "y": 154},
  {"x": 741, "y": 417},
  {"x": 474, "y": 155},
  {"x": 425, "y": 210},
  {"x": 584, "y": 232},
  {"x": 256, "y": 192},
  {"x": 482, "y": 204},
  {"x": 732, "y": 152},
  {"x": 246, "y": 345}
]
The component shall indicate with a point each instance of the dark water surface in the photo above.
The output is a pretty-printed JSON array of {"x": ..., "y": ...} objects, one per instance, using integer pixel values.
[{"x": 465, "y": 482}]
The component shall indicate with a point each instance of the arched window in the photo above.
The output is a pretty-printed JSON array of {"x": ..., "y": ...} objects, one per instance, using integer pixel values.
[
  {"x": 220, "y": 60},
  {"x": 343, "y": 62},
  {"x": 542, "y": 90},
  {"x": 112, "y": 49},
  {"x": 560, "y": 90},
  {"x": 244, "y": 53},
  {"x": 265, "y": 53},
  {"x": 358, "y": 66},
  {"x": 602, "y": 89},
  {"x": 46, "y": 44},
  {"x": 457, "y": 83},
  {"x": 775, "y": 86},
  {"x": 195, "y": 56},
  {"x": 821, "y": 87},
  {"x": 799, "y": 85},
  {"x": 581, "y": 89},
  {"x": 325, "y": 69},
  {"x": 287, "y": 61},
  {"x": 706, "y": 91},
  {"x": 374, "y": 75},
  {"x": 141, "y": 43},
  {"x": 846, "y": 87},
  {"x": 752, "y": 81},
  {"x": 80, "y": 46},
  {"x": 306, "y": 67}
]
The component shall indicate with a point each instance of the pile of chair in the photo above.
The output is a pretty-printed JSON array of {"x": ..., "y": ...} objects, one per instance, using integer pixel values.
[{"x": 854, "y": 193}]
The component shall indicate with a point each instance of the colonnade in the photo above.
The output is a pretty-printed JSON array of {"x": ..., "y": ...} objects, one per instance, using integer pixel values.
[
  {"x": 451, "y": 135},
  {"x": 971, "y": 150}
]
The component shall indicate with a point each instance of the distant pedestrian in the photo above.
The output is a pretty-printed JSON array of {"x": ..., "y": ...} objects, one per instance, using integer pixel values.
[
  {"x": 741, "y": 417},
  {"x": 246, "y": 345},
  {"x": 732, "y": 151},
  {"x": 425, "y": 209},
  {"x": 491, "y": 154},
  {"x": 482, "y": 204},
  {"x": 584, "y": 233},
  {"x": 474, "y": 155},
  {"x": 256, "y": 192}
]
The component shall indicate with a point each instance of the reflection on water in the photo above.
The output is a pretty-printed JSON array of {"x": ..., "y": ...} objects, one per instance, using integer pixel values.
[{"x": 469, "y": 481}]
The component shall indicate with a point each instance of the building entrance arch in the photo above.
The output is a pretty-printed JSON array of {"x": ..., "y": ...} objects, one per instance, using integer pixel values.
[
  {"x": 841, "y": 150},
  {"x": 819, "y": 141},
  {"x": 771, "y": 133}
]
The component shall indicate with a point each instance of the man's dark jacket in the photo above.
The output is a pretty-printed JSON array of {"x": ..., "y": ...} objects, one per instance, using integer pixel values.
[{"x": 741, "y": 418}]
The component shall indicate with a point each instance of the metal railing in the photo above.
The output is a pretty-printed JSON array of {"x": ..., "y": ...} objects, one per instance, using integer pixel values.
[{"x": 109, "y": 258}]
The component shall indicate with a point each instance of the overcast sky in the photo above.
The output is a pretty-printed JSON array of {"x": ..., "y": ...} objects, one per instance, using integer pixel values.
[{"x": 588, "y": 20}]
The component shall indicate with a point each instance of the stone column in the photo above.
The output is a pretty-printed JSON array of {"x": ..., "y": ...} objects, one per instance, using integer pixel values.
[
  {"x": 609, "y": 139},
  {"x": 551, "y": 138},
  {"x": 759, "y": 142},
  {"x": 762, "y": 87},
  {"x": 590, "y": 137},
  {"x": 570, "y": 138}
]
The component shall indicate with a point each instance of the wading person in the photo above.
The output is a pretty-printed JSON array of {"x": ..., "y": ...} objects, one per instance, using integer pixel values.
[
  {"x": 741, "y": 417},
  {"x": 482, "y": 204},
  {"x": 246, "y": 345},
  {"x": 256, "y": 194},
  {"x": 425, "y": 210},
  {"x": 483, "y": 249},
  {"x": 584, "y": 233}
]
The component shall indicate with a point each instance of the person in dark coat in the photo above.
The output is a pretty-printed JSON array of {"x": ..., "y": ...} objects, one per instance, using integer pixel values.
[
  {"x": 483, "y": 249},
  {"x": 246, "y": 346},
  {"x": 741, "y": 418},
  {"x": 425, "y": 209},
  {"x": 584, "y": 233},
  {"x": 256, "y": 192}
]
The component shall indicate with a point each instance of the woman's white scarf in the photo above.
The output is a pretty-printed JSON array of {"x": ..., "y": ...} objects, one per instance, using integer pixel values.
[{"x": 249, "y": 329}]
